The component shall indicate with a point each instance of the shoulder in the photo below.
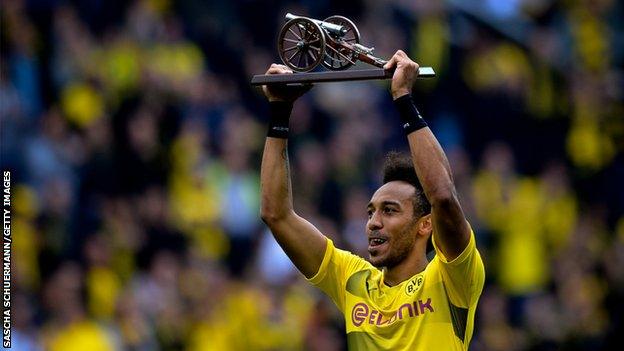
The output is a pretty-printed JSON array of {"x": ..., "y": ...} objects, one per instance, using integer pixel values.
[
  {"x": 469, "y": 251},
  {"x": 342, "y": 262}
]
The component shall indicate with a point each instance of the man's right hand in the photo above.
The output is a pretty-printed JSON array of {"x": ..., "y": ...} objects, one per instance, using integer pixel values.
[{"x": 283, "y": 92}]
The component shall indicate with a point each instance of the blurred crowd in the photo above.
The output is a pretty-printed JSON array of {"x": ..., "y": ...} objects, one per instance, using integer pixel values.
[{"x": 134, "y": 141}]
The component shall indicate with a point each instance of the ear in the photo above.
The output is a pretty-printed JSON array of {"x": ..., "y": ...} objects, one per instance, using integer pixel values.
[{"x": 424, "y": 226}]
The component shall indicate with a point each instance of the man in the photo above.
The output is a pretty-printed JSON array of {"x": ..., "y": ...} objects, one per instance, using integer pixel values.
[{"x": 397, "y": 300}]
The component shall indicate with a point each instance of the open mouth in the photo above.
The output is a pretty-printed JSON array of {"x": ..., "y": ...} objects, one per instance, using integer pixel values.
[
  {"x": 376, "y": 241},
  {"x": 376, "y": 244}
]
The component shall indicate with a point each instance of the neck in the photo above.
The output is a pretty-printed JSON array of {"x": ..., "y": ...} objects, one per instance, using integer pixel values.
[{"x": 412, "y": 265}]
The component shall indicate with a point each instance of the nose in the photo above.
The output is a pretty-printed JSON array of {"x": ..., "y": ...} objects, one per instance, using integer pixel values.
[{"x": 374, "y": 222}]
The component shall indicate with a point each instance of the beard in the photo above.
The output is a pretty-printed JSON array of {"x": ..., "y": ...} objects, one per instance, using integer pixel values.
[{"x": 400, "y": 248}]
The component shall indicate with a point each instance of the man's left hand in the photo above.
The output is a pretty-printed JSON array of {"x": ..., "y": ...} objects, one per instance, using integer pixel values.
[{"x": 405, "y": 73}]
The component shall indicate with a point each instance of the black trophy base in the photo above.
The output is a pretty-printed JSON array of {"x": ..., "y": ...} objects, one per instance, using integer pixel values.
[{"x": 332, "y": 76}]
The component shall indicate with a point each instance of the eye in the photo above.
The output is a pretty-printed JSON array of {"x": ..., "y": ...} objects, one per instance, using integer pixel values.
[
  {"x": 388, "y": 210},
  {"x": 369, "y": 213}
]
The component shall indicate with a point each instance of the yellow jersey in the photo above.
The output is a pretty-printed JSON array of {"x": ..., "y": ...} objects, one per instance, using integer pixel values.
[{"x": 433, "y": 310}]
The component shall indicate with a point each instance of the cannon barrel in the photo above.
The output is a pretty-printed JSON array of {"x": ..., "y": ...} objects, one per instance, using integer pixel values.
[{"x": 334, "y": 28}]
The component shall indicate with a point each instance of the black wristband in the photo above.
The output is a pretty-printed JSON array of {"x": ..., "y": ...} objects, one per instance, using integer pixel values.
[
  {"x": 411, "y": 118},
  {"x": 279, "y": 112}
]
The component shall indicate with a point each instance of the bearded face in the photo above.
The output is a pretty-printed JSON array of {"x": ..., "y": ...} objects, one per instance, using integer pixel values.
[{"x": 391, "y": 224}]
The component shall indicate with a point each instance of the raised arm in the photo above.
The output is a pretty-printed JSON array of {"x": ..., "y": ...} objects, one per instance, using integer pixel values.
[
  {"x": 301, "y": 241},
  {"x": 450, "y": 227}
]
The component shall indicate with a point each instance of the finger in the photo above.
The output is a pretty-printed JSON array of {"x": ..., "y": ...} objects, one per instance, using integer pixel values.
[
  {"x": 391, "y": 63},
  {"x": 279, "y": 66},
  {"x": 415, "y": 66},
  {"x": 275, "y": 70},
  {"x": 278, "y": 69},
  {"x": 284, "y": 67},
  {"x": 397, "y": 59},
  {"x": 271, "y": 69}
]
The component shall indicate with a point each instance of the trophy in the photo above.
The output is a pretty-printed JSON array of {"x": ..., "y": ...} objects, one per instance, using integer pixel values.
[{"x": 334, "y": 43}]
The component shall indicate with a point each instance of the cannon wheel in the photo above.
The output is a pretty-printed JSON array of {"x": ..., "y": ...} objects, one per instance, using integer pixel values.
[
  {"x": 336, "y": 58},
  {"x": 301, "y": 44}
]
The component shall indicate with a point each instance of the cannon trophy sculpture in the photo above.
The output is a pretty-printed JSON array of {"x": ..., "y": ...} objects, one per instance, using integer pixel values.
[{"x": 305, "y": 43}]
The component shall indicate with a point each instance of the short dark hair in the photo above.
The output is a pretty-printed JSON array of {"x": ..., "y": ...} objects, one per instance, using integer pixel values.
[{"x": 399, "y": 166}]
